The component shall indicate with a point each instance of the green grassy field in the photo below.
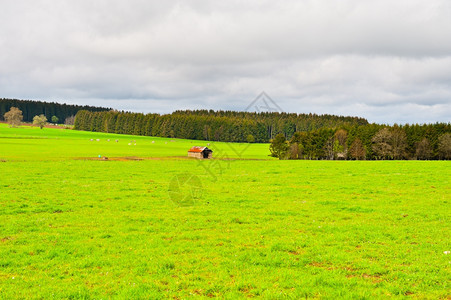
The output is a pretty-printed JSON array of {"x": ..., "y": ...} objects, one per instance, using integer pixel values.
[
  {"x": 255, "y": 227},
  {"x": 33, "y": 144}
]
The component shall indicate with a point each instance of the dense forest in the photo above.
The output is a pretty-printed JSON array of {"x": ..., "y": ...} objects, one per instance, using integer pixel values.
[
  {"x": 227, "y": 126},
  {"x": 371, "y": 142},
  {"x": 31, "y": 108},
  {"x": 293, "y": 136}
]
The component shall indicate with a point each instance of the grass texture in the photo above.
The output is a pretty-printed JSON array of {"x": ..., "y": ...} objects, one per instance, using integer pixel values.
[{"x": 241, "y": 225}]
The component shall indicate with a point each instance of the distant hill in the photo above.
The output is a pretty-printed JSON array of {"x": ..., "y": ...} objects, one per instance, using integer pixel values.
[{"x": 32, "y": 108}]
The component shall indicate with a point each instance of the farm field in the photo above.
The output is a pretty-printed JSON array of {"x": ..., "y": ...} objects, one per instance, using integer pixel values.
[
  {"x": 31, "y": 143},
  {"x": 78, "y": 227}
]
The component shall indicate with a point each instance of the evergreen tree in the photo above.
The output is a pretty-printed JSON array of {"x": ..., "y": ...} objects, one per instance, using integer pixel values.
[{"x": 311, "y": 136}]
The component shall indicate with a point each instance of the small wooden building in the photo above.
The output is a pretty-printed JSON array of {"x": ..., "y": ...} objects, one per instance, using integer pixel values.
[{"x": 200, "y": 152}]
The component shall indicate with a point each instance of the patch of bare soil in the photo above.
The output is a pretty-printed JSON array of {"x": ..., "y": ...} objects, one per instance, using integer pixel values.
[
  {"x": 129, "y": 158},
  {"x": 136, "y": 158},
  {"x": 46, "y": 126}
]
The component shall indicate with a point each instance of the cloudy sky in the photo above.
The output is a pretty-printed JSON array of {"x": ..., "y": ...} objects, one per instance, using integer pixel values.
[{"x": 388, "y": 61}]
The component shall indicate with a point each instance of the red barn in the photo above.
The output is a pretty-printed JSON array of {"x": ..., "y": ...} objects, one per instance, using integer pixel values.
[{"x": 200, "y": 152}]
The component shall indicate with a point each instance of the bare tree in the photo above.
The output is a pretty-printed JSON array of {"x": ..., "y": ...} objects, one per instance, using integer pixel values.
[
  {"x": 390, "y": 144},
  {"x": 13, "y": 117},
  {"x": 329, "y": 148},
  {"x": 444, "y": 146},
  {"x": 398, "y": 142},
  {"x": 424, "y": 149},
  {"x": 341, "y": 135},
  {"x": 382, "y": 144},
  {"x": 357, "y": 150},
  {"x": 69, "y": 120}
]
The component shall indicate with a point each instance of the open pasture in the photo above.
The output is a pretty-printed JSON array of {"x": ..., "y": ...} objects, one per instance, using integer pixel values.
[
  {"x": 33, "y": 144},
  {"x": 258, "y": 227}
]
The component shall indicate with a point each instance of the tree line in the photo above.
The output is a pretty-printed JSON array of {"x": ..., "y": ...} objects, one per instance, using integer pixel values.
[
  {"x": 14, "y": 118},
  {"x": 367, "y": 142},
  {"x": 30, "y": 109},
  {"x": 226, "y": 126},
  {"x": 292, "y": 136}
]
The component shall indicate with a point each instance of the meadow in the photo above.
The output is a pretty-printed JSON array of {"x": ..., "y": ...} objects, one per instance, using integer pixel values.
[{"x": 150, "y": 223}]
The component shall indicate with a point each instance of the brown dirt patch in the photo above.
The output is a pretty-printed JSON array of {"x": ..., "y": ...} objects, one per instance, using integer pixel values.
[
  {"x": 6, "y": 239},
  {"x": 130, "y": 158},
  {"x": 46, "y": 126}
]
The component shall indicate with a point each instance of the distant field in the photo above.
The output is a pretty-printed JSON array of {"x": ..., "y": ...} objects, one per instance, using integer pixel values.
[
  {"x": 72, "y": 227},
  {"x": 32, "y": 143}
]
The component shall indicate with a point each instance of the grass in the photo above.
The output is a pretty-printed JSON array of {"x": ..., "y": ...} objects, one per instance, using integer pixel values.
[
  {"x": 33, "y": 144},
  {"x": 86, "y": 229}
]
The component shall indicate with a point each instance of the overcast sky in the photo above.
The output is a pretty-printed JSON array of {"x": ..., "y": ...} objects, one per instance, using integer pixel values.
[{"x": 388, "y": 61}]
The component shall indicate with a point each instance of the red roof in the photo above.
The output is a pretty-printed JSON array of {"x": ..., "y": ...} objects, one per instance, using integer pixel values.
[{"x": 197, "y": 149}]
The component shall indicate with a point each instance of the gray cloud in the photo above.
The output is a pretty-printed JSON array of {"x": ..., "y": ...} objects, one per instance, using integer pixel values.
[{"x": 383, "y": 60}]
